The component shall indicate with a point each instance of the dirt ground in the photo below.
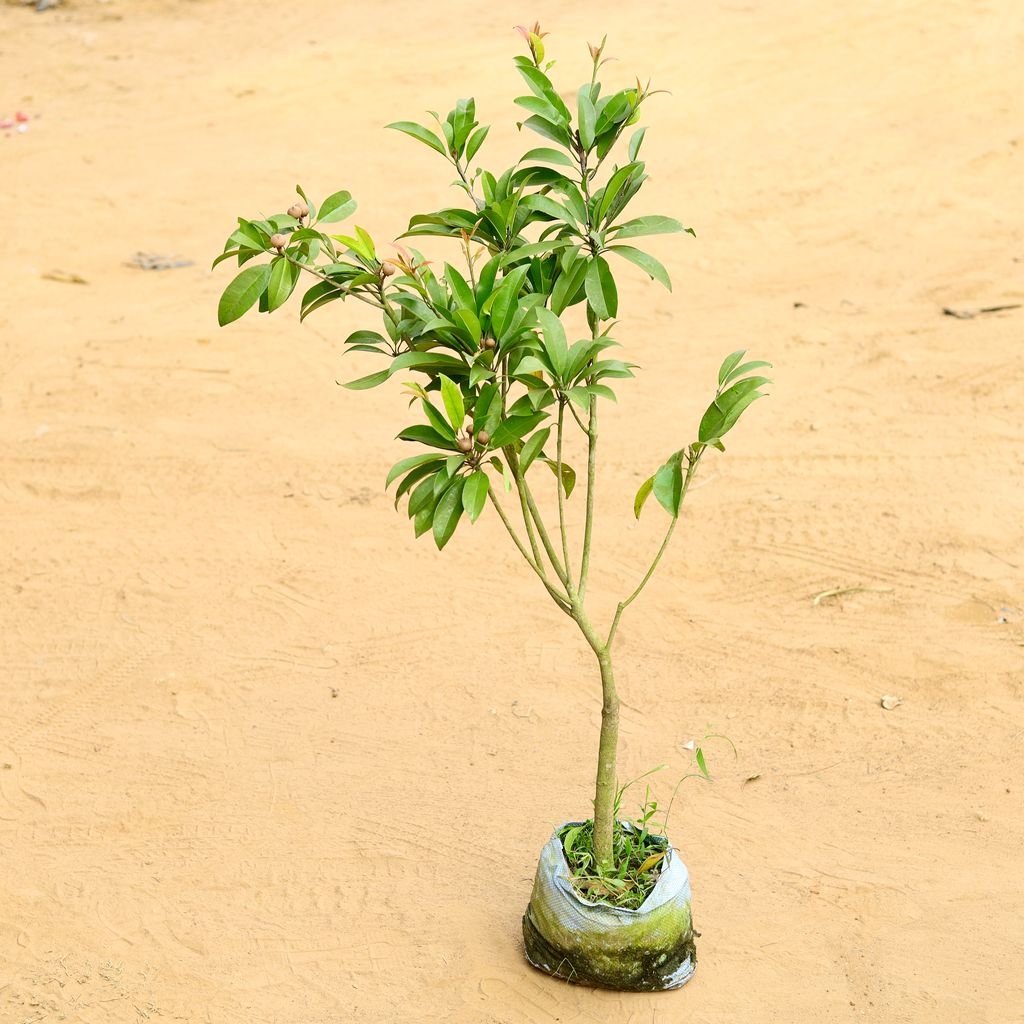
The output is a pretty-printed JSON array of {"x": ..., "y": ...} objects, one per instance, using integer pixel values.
[{"x": 265, "y": 758}]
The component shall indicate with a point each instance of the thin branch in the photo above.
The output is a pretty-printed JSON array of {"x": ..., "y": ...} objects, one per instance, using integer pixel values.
[
  {"x": 588, "y": 529},
  {"x": 623, "y": 605},
  {"x": 562, "y": 527},
  {"x": 561, "y": 601},
  {"x": 323, "y": 277}
]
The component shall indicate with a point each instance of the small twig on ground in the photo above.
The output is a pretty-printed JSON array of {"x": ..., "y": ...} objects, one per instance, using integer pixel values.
[
  {"x": 970, "y": 314},
  {"x": 839, "y": 591}
]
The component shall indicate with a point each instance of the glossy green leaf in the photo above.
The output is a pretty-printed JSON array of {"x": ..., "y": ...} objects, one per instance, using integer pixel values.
[
  {"x": 476, "y": 140},
  {"x": 448, "y": 512},
  {"x": 636, "y": 142},
  {"x": 427, "y": 435},
  {"x": 587, "y": 117},
  {"x": 371, "y": 380},
  {"x": 453, "y": 402},
  {"x": 515, "y": 427},
  {"x": 417, "y": 131},
  {"x": 404, "y": 465},
  {"x": 422, "y": 495},
  {"x": 437, "y": 421},
  {"x": 568, "y": 475},
  {"x": 642, "y": 495},
  {"x": 474, "y": 494},
  {"x": 668, "y": 485},
  {"x": 337, "y": 207},
  {"x": 282, "y": 281},
  {"x": 754, "y": 364},
  {"x": 554, "y": 340},
  {"x": 729, "y": 363},
  {"x": 533, "y": 448},
  {"x": 241, "y": 294},
  {"x": 548, "y": 156},
  {"x": 655, "y": 225},
  {"x": 600, "y": 288},
  {"x": 645, "y": 261}
]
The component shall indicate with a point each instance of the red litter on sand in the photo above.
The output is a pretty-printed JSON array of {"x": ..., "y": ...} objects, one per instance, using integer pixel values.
[{"x": 20, "y": 122}]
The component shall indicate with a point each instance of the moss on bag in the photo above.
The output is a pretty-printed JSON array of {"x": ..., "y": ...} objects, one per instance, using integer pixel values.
[{"x": 648, "y": 949}]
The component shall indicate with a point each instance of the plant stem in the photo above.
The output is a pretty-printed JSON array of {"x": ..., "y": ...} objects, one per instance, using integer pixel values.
[
  {"x": 623, "y": 605},
  {"x": 607, "y": 779},
  {"x": 563, "y": 529},
  {"x": 588, "y": 528},
  {"x": 530, "y": 511},
  {"x": 561, "y": 601}
]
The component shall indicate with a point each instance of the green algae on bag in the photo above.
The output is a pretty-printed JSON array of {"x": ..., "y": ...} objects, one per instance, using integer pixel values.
[{"x": 645, "y": 950}]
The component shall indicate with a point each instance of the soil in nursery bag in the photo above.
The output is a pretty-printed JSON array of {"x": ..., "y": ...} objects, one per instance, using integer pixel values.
[{"x": 644, "y": 949}]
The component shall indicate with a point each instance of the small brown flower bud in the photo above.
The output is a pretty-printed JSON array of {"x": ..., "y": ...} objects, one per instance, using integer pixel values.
[
  {"x": 465, "y": 444},
  {"x": 278, "y": 241},
  {"x": 298, "y": 210},
  {"x": 487, "y": 343},
  {"x": 483, "y": 438},
  {"x": 387, "y": 270}
]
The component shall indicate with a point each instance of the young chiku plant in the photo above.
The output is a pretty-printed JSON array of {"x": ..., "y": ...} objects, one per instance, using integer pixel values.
[{"x": 500, "y": 385}]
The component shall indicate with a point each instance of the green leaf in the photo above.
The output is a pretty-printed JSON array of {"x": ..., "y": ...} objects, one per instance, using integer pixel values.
[
  {"x": 535, "y": 249},
  {"x": 515, "y": 427},
  {"x": 668, "y": 485},
  {"x": 635, "y": 142},
  {"x": 554, "y": 340},
  {"x": 533, "y": 447},
  {"x": 587, "y": 116},
  {"x": 649, "y": 226},
  {"x": 424, "y": 518},
  {"x": 242, "y": 293},
  {"x": 423, "y": 494},
  {"x": 404, "y": 465},
  {"x": 754, "y": 364},
  {"x": 476, "y": 140},
  {"x": 642, "y": 495},
  {"x": 437, "y": 421},
  {"x": 426, "y": 435},
  {"x": 729, "y": 364},
  {"x": 417, "y": 131},
  {"x": 474, "y": 494},
  {"x": 725, "y": 410},
  {"x": 548, "y": 156},
  {"x": 459, "y": 287},
  {"x": 337, "y": 207},
  {"x": 283, "y": 278},
  {"x": 470, "y": 324},
  {"x": 646, "y": 262},
  {"x": 453, "y": 402},
  {"x": 448, "y": 512},
  {"x": 371, "y": 380},
  {"x": 600, "y": 288},
  {"x": 568, "y": 475}
]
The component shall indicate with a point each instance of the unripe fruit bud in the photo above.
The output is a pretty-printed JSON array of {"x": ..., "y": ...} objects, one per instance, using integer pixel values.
[
  {"x": 278, "y": 241},
  {"x": 482, "y": 437},
  {"x": 487, "y": 343},
  {"x": 465, "y": 444},
  {"x": 386, "y": 270},
  {"x": 298, "y": 210}
]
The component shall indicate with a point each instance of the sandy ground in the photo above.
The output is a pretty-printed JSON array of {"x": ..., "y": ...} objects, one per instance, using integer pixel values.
[{"x": 264, "y": 758}]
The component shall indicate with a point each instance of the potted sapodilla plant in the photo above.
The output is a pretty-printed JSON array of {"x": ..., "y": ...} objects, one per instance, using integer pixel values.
[{"x": 502, "y": 391}]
